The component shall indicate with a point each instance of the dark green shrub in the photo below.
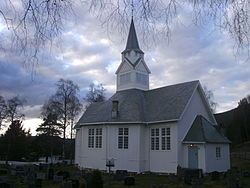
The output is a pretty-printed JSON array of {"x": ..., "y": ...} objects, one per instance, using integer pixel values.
[
  {"x": 129, "y": 180},
  {"x": 3, "y": 172},
  {"x": 96, "y": 179}
]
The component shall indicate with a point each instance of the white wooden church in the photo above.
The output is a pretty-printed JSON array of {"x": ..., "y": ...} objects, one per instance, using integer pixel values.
[{"x": 150, "y": 130}]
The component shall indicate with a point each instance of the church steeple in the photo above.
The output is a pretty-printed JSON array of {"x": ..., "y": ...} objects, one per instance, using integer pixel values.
[
  {"x": 133, "y": 72},
  {"x": 132, "y": 42}
]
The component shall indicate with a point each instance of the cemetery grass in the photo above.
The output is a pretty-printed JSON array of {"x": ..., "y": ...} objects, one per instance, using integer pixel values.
[{"x": 147, "y": 180}]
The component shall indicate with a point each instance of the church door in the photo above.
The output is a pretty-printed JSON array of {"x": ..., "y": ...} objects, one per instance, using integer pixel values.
[{"x": 193, "y": 157}]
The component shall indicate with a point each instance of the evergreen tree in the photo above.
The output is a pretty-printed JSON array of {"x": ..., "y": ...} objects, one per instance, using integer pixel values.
[
  {"x": 50, "y": 126},
  {"x": 16, "y": 140}
]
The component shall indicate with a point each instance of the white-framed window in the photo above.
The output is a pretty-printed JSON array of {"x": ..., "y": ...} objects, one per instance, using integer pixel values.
[
  {"x": 125, "y": 78},
  {"x": 155, "y": 138},
  {"x": 141, "y": 78},
  {"x": 98, "y": 138},
  {"x": 123, "y": 138},
  {"x": 95, "y": 138},
  {"x": 165, "y": 139},
  {"x": 218, "y": 152},
  {"x": 160, "y": 137},
  {"x": 91, "y": 138}
]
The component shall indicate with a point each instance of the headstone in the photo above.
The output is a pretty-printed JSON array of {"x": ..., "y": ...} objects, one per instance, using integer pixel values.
[
  {"x": 190, "y": 174},
  {"x": 40, "y": 176},
  {"x": 3, "y": 171},
  {"x": 75, "y": 183},
  {"x": 65, "y": 174},
  {"x": 50, "y": 173},
  {"x": 246, "y": 173},
  {"x": 120, "y": 175},
  {"x": 58, "y": 178},
  {"x": 38, "y": 183},
  {"x": 215, "y": 175},
  {"x": 67, "y": 184},
  {"x": 129, "y": 181}
]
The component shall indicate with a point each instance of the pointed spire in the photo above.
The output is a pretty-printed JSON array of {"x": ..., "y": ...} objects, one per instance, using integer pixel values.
[{"x": 132, "y": 42}]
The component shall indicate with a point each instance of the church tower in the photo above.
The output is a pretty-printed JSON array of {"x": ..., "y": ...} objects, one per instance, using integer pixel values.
[{"x": 133, "y": 73}]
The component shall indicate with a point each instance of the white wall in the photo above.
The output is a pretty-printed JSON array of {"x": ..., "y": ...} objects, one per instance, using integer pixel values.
[
  {"x": 133, "y": 83},
  {"x": 141, "y": 68},
  {"x": 92, "y": 157},
  {"x": 164, "y": 161},
  {"x": 77, "y": 146},
  {"x": 212, "y": 163},
  {"x": 195, "y": 107},
  {"x": 125, "y": 159},
  {"x": 125, "y": 67}
]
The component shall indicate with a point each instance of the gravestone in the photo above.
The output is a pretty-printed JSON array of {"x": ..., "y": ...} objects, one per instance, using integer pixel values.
[
  {"x": 215, "y": 175},
  {"x": 58, "y": 178},
  {"x": 67, "y": 184},
  {"x": 129, "y": 181},
  {"x": 41, "y": 175},
  {"x": 120, "y": 175},
  {"x": 50, "y": 173}
]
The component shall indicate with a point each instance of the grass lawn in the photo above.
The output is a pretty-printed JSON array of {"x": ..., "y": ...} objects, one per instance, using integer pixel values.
[{"x": 148, "y": 180}]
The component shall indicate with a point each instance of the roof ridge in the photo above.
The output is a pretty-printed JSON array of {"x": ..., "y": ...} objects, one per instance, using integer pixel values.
[
  {"x": 202, "y": 127},
  {"x": 182, "y": 83}
]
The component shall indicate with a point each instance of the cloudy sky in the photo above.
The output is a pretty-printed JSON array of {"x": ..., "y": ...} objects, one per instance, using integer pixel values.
[{"x": 86, "y": 51}]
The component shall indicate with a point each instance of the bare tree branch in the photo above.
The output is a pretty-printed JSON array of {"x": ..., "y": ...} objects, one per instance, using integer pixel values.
[{"x": 36, "y": 23}]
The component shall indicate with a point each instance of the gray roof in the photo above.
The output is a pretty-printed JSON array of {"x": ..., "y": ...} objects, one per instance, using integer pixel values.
[
  {"x": 203, "y": 131},
  {"x": 162, "y": 104},
  {"x": 132, "y": 42}
]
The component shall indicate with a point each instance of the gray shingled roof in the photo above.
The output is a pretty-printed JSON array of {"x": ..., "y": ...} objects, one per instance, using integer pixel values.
[
  {"x": 162, "y": 104},
  {"x": 203, "y": 131},
  {"x": 132, "y": 42}
]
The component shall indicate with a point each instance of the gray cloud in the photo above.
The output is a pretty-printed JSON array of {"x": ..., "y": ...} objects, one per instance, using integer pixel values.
[{"x": 85, "y": 53}]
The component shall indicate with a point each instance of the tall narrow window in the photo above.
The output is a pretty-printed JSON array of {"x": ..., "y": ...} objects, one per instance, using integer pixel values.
[
  {"x": 141, "y": 78},
  {"x": 218, "y": 152},
  {"x": 165, "y": 139},
  {"x": 98, "y": 138},
  {"x": 125, "y": 78},
  {"x": 91, "y": 138},
  {"x": 155, "y": 139},
  {"x": 123, "y": 138}
]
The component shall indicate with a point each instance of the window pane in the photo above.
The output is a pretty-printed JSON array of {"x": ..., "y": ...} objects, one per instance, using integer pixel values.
[
  {"x": 218, "y": 152},
  {"x": 152, "y": 132},
  {"x": 168, "y": 143},
  {"x": 89, "y": 142},
  {"x": 157, "y": 143},
  {"x": 125, "y": 142},
  {"x": 125, "y": 131},
  {"x": 163, "y": 143},
  {"x": 168, "y": 131},
  {"x": 152, "y": 143},
  {"x": 156, "y": 132},
  {"x": 120, "y": 131},
  {"x": 120, "y": 142},
  {"x": 163, "y": 131}
]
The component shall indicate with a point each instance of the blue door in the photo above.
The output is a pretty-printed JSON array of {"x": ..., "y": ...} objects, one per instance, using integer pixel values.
[{"x": 193, "y": 157}]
